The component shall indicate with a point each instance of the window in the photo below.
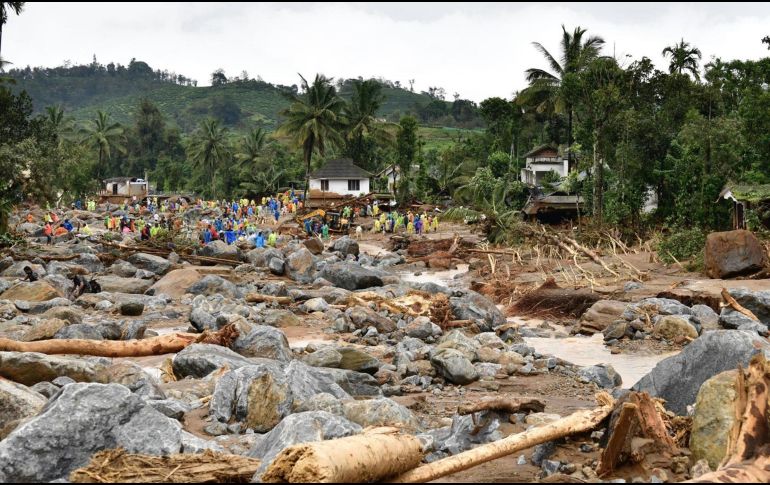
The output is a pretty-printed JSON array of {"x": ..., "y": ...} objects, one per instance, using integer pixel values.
[
  {"x": 354, "y": 185},
  {"x": 325, "y": 185}
]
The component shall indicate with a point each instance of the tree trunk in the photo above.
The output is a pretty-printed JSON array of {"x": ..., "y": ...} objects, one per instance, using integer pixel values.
[
  {"x": 164, "y": 344},
  {"x": 569, "y": 139},
  {"x": 308, "y": 156},
  {"x": 598, "y": 170},
  {"x": 370, "y": 457},
  {"x": 578, "y": 422}
]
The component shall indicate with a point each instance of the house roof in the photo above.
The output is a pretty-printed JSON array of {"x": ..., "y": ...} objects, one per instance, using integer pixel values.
[
  {"x": 341, "y": 168},
  {"x": 539, "y": 149},
  {"x": 120, "y": 180},
  {"x": 747, "y": 192}
]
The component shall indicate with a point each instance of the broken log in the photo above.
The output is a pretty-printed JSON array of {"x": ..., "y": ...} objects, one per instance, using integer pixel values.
[
  {"x": 258, "y": 298},
  {"x": 164, "y": 344},
  {"x": 119, "y": 466},
  {"x": 730, "y": 301},
  {"x": 372, "y": 456},
  {"x": 620, "y": 438},
  {"x": 578, "y": 422},
  {"x": 504, "y": 405},
  {"x": 594, "y": 257}
]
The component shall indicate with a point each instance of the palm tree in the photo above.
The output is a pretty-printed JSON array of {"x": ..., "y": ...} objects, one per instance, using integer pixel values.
[
  {"x": 361, "y": 115},
  {"x": 252, "y": 148},
  {"x": 544, "y": 89},
  {"x": 59, "y": 124},
  {"x": 313, "y": 120},
  {"x": 683, "y": 58},
  {"x": 106, "y": 137},
  {"x": 5, "y": 9},
  {"x": 209, "y": 149}
]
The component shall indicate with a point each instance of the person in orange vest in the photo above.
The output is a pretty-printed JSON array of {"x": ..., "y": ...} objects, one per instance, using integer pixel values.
[{"x": 48, "y": 231}]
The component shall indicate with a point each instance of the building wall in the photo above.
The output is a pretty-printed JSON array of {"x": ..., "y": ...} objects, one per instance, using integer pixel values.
[
  {"x": 340, "y": 186},
  {"x": 533, "y": 173}
]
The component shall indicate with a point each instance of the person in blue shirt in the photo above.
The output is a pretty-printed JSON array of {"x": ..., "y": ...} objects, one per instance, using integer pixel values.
[
  {"x": 260, "y": 240},
  {"x": 218, "y": 225},
  {"x": 308, "y": 227},
  {"x": 206, "y": 236},
  {"x": 229, "y": 236},
  {"x": 277, "y": 215},
  {"x": 67, "y": 225}
]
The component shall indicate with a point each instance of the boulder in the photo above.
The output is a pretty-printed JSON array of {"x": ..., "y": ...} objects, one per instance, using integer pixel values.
[
  {"x": 69, "y": 314},
  {"x": 176, "y": 283},
  {"x": 713, "y": 419},
  {"x": 133, "y": 377},
  {"x": 323, "y": 357},
  {"x": 729, "y": 318},
  {"x": 421, "y": 328},
  {"x": 116, "y": 284},
  {"x": 29, "y": 368},
  {"x": 306, "y": 382},
  {"x": 458, "y": 341},
  {"x": 17, "y": 402},
  {"x": 380, "y": 412},
  {"x": 156, "y": 264},
  {"x": 316, "y": 305},
  {"x": 733, "y": 253},
  {"x": 277, "y": 266},
  {"x": 474, "y": 306},
  {"x": 356, "y": 384},
  {"x": 81, "y": 420},
  {"x": 214, "y": 285},
  {"x": 314, "y": 245},
  {"x": 357, "y": 360},
  {"x": 660, "y": 306},
  {"x": 300, "y": 265},
  {"x": 350, "y": 276},
  {"x": 600, "y": 316},
  {"x": 80, "y": 331},
  {"x": 221, "y": 250},
  {"x": 38, "y": 307},
  {"x": 131, "y": 308},
  {"x": 200, "y": 360},
  {"x": 89, "y": 261},
  {"x": 671, "y": 327},
  {"x": 677, "y": 379},
  {"x": 756, "y": 301},
  {"x": 297, "y": 429},
  {"x": 617, "y": 330},
  {"x": 258, "y": 396},
  {"x": 123, "y": 269},
  {"x": 262, "y": 341},
  {"x": 708, "y": 318},
  {"x": 16, "y": 270},
  {"x": 346, "y": 246},
  {"x": 363, "y": 317},
  {"x": 454, "y": 366},
  {"x": 603, "y": 375},
  {"x": 281, "y": 318},
  {"x": 35, "y": 291}
]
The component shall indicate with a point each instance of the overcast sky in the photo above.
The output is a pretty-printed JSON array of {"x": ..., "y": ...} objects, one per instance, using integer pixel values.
[{"x": 478, "y": 50}]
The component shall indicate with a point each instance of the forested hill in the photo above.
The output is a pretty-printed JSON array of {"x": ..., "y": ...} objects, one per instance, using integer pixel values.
[{"x": 239, "y": 102}]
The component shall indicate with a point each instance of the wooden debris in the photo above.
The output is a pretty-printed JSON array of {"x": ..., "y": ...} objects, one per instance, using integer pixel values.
[
  {"x": 258, "y": 298},
  {"x": 164, "y": 344},
  {"x": 116, "y": 466},
  {"x": 503, "y": 404},
  {"x": 578, "y": 422}
]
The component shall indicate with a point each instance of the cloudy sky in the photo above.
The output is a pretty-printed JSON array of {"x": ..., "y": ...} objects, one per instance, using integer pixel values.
[{"x": 478, "y": 50}]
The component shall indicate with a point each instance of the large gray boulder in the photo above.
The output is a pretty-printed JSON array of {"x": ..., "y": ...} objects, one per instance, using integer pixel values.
[
  {"x": 258, "y": 396},
  {"x": 603, "y": 375},
  {"x": 221, "y": 250},
  {"x": 350, "y": 276},
  {"x": 756, "y": 301},
  {"x": 346, "y": 246},
  {"x": 81, "y": 420},
  {"x": 200, "y": 360},
  {"x": 156, "y": 264},
  {"x": 17, "y": 402},
  {"x": 454, "y": 366},
  {"x": 296, "y": 429},
  {"x": 733, "y": 253},
  {"x": 29, "y": 368},
  {"x": 363, "y": 317},
  {"x": 300, "y": 265},
  {"x": 677, "y": 379},
  {"x": 474, "y": 306},
  {"x": 262, "y": 341},
  {"x": 380, "y": 412},
  {"x": 89, "y": 261},
  {"x": 116, "y": 284},
  {"x": 214, "y": 285}
]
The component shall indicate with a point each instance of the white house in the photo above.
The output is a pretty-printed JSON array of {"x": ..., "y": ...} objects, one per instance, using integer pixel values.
[
  {"x": 342, "y": 177},
  {"x": 125, "y": 187},
  {"x": 540, "y": 161}
]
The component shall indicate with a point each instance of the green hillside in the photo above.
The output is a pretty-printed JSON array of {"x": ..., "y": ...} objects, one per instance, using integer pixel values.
[{"x": 241, "y": 104}]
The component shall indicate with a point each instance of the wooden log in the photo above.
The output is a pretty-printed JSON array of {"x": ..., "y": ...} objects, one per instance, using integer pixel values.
[
  {"x": 737, "y": 306},
  {"x": 620, "y": 439},
  {"x": 372, "y": 456},
  {"x": 503, "y": 404},
  {"x": 578, "y": 422},
  {"x": 258, "y": 298},
  {"x": 650, "y": 421},
  {"x": 594, "y": 257},
  {"x": 118, "y": 466},
  {"x": 164, "y": 344}
]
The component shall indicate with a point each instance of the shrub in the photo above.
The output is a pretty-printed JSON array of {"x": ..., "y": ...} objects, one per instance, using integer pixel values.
[{"x": 683, "y": 244}]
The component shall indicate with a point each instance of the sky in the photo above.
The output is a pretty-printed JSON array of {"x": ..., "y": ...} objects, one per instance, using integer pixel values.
[{"x": 478, "y": 50}]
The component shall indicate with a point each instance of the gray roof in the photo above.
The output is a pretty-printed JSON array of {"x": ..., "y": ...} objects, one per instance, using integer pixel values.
[{"x": 341, "y": 168}]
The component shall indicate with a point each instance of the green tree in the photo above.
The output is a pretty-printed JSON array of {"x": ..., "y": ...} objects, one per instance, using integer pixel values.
[
  {"x": 313, "y": 120},
  {"x": 105, "y": 137},
  {"x": 6, "y": 8},
  {"x": 209, "y": 149},
  {"x": 683, "y": 58},
  {"x": 252, "y": 149},
  {"x": 362, "y": 123},
  {"x": 545, "y": 86},
  {"x": 407, "y": 152}
]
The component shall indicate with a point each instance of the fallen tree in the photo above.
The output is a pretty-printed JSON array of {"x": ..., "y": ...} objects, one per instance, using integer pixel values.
[
  {"x": 164, "y": 344},
  {"x": 118, "y": 466},
  {"x": 258, "y": 298},
  {"x": 502, "y": 404},
  {"x": 578, "y": 422},
  {"x": 552, "y": 300},
  {"x": 375, "y": 455}
]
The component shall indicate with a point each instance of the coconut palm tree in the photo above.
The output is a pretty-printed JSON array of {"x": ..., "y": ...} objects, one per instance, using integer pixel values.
[
  {"x": 6, "y": 8},
  {"x": 544, "y": 89},
  {"x": 209, "y": 149},
  {"x": 252, "y": 149},
  {"x": 104, "y": 136},
  {"x": 313, "y": 120},
  {"x": 59, "y": 124},
  {"x": 361, "y": 115},
  {"x": 683, "y": 58}
]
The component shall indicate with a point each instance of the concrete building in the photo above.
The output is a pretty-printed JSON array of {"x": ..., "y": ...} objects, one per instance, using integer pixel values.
[
  {"x": 540, "y": 161},
  {"x": 341, "y": 177}
]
